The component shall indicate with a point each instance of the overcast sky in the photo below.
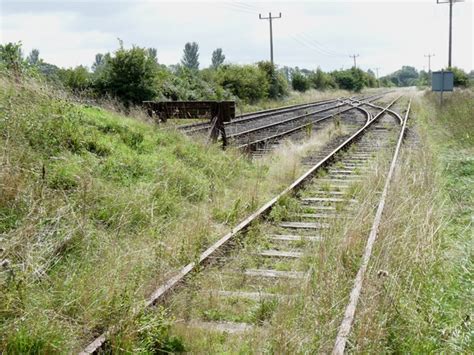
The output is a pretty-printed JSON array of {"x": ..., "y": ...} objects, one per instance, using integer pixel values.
[{"x": 386, "y": 34}]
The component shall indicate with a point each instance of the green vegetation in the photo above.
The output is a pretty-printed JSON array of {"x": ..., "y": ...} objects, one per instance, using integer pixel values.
[
  {"x": 97, "y": 208},
  {"x": 133, "y": 75},
  {"x": 94, "y": 207},
  {"x": 409, "y": 76},
  {"x": 419, "y": 297}
]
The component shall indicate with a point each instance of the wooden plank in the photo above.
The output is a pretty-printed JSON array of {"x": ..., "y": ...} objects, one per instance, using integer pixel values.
[
  {"x": 281, "y": 254},
  {"x": 294, "y": 238},
  {"x": 327, "y": 199},
  {"x": 256, "y": 296},
  {"x": 304, "y": 225},
  {"x": 275, "y": 273}
]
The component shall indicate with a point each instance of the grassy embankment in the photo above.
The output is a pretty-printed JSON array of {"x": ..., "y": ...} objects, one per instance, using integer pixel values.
[
  {"x": 419, "y": 294},
  {"x": 96, "y": 209}
]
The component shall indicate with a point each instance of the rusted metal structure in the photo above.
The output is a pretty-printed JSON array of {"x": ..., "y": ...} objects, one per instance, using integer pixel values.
[{"x": 218, "y": 112}]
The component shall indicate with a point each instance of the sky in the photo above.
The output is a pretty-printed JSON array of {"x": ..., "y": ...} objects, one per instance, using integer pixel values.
[{"x": 385, "y": 34}]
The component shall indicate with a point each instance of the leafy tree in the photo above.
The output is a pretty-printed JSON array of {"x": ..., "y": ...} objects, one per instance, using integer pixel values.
[
  {"x": 424, "y": 79},
  {"x": 278, "y": 84},
  {"x": 191, "y": 56},
  {"x": 128, "y": 75},
  {"x": 33, "y": 58},
  {"x": 12, "y": 57},
  {"x": 77, "y": 79},
  {"x": 246, "y": 82},
  {"x": 153, "y": 53},
  {"x": 320, "y": 80},
  {"x": 187, "y": 84},
  {"x": 353, "y": 79},
  {"x": 299, "y": 82},
  {"x": 460, "y": 77},
  {"x": 407, "y": 76},
  {"x": 99, "y": 62},
  {"x": 217, "y": 58}
]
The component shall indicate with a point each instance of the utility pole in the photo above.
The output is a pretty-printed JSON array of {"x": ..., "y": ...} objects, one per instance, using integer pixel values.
[
  {"x": 377, "y": 71},
  {"x": 270, "y": 18},
  {"x": 355, "y": 62},
  {"x": 429, "y": 61},
  {"x": 451, "y": 3}
]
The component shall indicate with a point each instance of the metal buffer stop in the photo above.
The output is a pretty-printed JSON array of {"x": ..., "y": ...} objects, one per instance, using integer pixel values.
[{"x": 218, "y": 112}]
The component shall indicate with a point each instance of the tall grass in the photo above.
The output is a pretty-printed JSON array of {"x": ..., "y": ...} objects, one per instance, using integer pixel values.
[
  {"x": 96, "y": 209},
  {"x": 419, "y": 296}
]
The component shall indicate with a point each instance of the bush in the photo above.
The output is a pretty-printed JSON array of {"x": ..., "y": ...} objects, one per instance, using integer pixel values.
[
  {"x": 299, "y": 82},
  {"x": 460, "y": 77},
  {"x": 278, "y": 86},
  {"x": 246, "y": 82},
  {"x": 77, "y": 79},
  {"x": 129, "y": 75},
  {"x": 320, "y": 80}
]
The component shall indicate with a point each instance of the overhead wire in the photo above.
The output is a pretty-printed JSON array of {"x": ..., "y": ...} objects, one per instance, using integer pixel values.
[
  {"x": 308, "y": 45},
  {"x": 321, "y": 46}
]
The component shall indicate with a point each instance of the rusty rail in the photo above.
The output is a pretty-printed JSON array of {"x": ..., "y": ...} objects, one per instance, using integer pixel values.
[{"x": 349, "y": 314}]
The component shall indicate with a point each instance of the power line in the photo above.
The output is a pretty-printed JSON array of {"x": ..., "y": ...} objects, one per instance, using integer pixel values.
[
  {"x": 450, "y": 50},
  {"x": 303, "y": 41},
  {"x": 429, "y": 61},
  {"x": 270, "y": 19},
  {"x": 321, "y": 46},
  {"x": 354, "y": 56},
  {"x": 247, "y": 5},
  {"x": 232, "y": 7}
]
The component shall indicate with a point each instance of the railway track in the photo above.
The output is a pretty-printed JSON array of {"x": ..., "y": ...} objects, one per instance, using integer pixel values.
[
  {"x": 260, "y": 131},
  {"x": 263, "y": 120},
  {"x": 245, "y": 283}
]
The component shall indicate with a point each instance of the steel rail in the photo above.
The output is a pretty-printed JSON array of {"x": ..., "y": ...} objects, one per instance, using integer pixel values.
[
  {"x": 299, "y": 128},
  {"x": 259, "y": 114},
  {"x": 274, "y": 124},
  {"x": 202, "y": 126},
  {"x": 292, "y": 130},
  {"x": 277, "y": 110},
  {"x": 176, "y": 280},
  {"x": 394, "y": 113},
  {"x": 349, "y": 314}
]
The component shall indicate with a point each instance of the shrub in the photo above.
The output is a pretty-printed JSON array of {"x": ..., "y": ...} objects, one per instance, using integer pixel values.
[
  {"x": 278, "y": 86},
  {"x": 460, "y": 77},
  {"x": 129, "y": 75},
  {"x": 77, "y": 79},
  {"x": 299, "y": 82},
  {"x": 246, "y": 82}
]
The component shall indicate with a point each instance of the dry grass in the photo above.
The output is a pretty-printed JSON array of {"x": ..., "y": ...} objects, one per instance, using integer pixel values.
[
  {"x": 306, "y": 323},
  {"x": 418, "y": 296},
  {"x": 97, "y": 209}
]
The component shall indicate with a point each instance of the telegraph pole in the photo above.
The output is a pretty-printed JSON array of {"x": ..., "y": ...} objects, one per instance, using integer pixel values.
[
  {"x": 429, "y": 61},
  {"x": 451, "y": 3},
  {"x": 355, "y": 62},
  {"x": 270, "y": 18},
  {"x": 377, "y": 71}
]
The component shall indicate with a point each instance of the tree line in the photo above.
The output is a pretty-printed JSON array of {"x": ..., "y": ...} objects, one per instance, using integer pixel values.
[{"x": 133, "y": 75}]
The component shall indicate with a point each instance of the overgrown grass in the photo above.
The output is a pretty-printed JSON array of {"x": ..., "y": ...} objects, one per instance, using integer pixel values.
[
  {"x": 304, "y": 322},
  {"x": 96, "y": 209},
  {"x": 419, "y": 295}
]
